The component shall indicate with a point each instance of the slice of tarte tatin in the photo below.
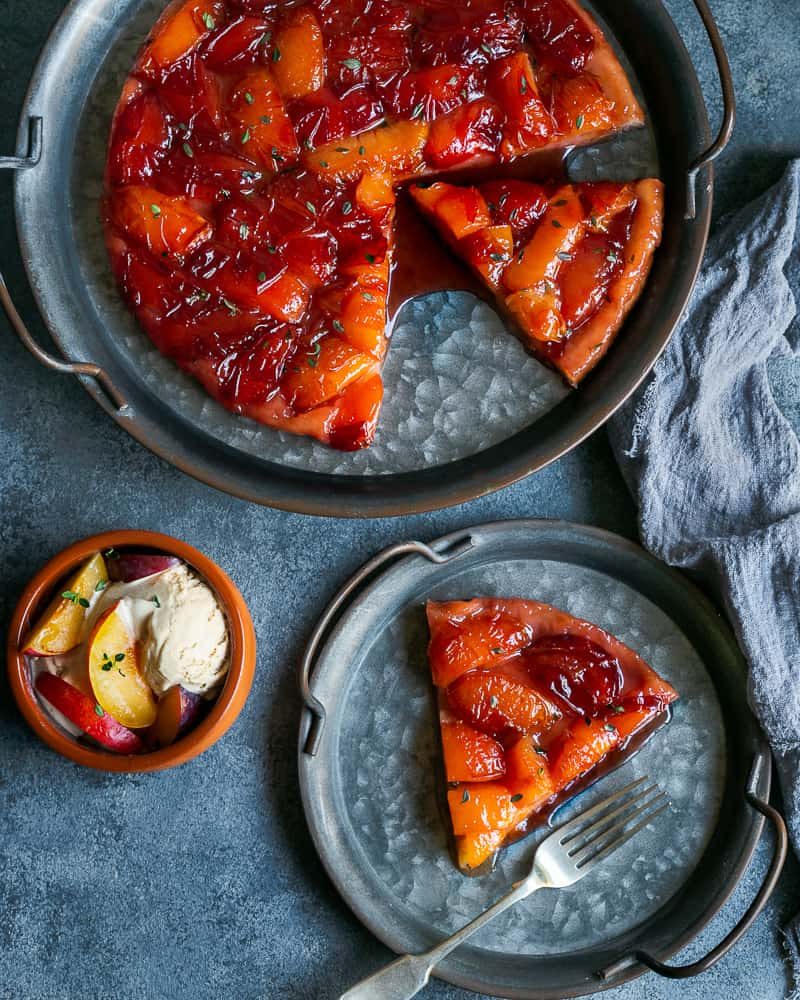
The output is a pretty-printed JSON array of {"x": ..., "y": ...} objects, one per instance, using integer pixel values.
[
  {"x": 533, "y": 704},
  {"x": 565, "y": 263}
]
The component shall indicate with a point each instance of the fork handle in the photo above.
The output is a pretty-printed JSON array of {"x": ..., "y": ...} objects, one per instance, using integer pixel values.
[{"x": 406, "y": 976}]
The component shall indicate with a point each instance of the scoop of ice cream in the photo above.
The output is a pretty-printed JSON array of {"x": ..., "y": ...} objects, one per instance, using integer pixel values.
[
  {"x": 185, "y": 640},
  {"x": 179, "y": 624}
]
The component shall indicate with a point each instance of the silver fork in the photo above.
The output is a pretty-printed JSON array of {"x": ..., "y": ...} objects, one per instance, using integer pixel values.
[{"x": 561, "y": 859}]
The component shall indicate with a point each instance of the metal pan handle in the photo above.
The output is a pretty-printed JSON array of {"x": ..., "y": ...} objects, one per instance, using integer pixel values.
[
  {"x": 25, "y": 162},
  {"x": 729, "y": 108},
  {"x": 755, "y": 908},
  {"x": 458, "y": 546}
]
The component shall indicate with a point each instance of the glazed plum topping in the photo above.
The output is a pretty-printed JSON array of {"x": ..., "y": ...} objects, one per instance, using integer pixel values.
[
  {"x": 323, "y": 116},
  {"x": 140, "y": 141},
  {"x": 468, "y": 34},
  {"x": 581, "y": 674},
  {"x": 558, "y": 34},
  {"x": 499, "y": 701}
]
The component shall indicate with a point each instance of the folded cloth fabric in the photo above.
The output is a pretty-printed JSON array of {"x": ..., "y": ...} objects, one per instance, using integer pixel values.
[{"x": 715, "y": 466}]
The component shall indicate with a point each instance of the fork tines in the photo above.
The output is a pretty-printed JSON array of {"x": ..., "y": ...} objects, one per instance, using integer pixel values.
[{"x": 600, "y": 830}]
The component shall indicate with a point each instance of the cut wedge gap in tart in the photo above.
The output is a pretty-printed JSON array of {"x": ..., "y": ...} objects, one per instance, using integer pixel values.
[{"x": 534, "y": 704}]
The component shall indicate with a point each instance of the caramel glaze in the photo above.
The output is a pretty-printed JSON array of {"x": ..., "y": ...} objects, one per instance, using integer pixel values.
[{"x": 423, "y": 263}]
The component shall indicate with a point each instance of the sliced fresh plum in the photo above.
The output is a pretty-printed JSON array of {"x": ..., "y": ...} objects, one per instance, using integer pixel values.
[
  {"x": 177, "y": 710},
  {"x": 84, "y": 712},
  {"x": 58, "y": 629},
  {"x": 129, "y": 566},
  {"x": 115, "y": 671}
]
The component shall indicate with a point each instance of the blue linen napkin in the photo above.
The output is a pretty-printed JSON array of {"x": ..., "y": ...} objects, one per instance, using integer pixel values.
[{"x": 715, "y": 466}]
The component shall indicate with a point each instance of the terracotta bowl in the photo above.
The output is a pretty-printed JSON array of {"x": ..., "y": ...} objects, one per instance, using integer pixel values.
[{"x": 224, "y": 710}]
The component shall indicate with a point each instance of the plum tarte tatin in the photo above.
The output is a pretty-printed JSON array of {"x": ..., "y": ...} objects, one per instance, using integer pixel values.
[
  {"x": 252, "y": 170},
  {"x": 532, "y": 702}
]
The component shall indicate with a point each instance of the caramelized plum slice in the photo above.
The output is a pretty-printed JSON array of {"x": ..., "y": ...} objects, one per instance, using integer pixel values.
[
  {"x": 464, "y": 134},
  {"x": 241, "y": 43},
  {"x": 470, "y": 755},
  {"x": 495, "y": 701},
  {"x": 558, "y": 34},
  {"x": 139, "y": 141},
  {"x": 459, "y": 644},
  {"x": 300, "y": 70},
  {"x": 580, "y": 673},
  {"x": 471, "y": 35}
]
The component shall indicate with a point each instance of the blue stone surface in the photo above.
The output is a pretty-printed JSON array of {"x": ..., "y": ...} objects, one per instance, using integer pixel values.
[{"x": 202, "y": 883}]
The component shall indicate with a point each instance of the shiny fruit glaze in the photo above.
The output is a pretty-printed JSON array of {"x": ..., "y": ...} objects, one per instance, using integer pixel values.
[
  {"x": 532, "y": 703},
  {"x": 254, "y": 155}
]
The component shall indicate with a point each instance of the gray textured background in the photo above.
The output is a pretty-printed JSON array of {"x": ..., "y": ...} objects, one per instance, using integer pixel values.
[{"x": 202, "y": 883}]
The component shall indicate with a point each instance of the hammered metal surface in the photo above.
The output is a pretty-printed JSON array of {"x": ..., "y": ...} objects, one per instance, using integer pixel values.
[
  {"x": 457, "y": 381},
  {"x": 387, "y": 778}
]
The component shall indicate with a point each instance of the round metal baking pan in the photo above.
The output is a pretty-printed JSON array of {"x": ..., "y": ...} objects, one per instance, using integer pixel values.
[
  {"x": 52, "y": 209},
  {"x": 371, "y": 788}
]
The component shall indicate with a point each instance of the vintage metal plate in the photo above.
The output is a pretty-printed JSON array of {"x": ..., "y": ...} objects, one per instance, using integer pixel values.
[
  {"x": 372, "y": 791},
  {"x": 467, "y": 410}
]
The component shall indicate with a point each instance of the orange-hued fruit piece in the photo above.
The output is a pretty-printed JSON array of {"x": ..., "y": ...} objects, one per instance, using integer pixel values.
[
  {"x": 519, "y": 735},
  {"x": 493, "y": 702},
  {"x": 512, "y": 82},
  {"x": 566, "y": 265},
  {"x": 480, "y": 808},
  {"x": 115, "y": 673},
  {"x": 584, "y": 747},
  {"x": 459, "y": 211},
  {"x": 556, "y": 235},
  {"x": 59, "y": 629},
  {"x": 264, "y": 126},
  {"x": 181, "y": 28},
  {"x": 325, "y": 372},
  {"x": 375, "y": 192},
  {"x": 162, "y": 223},
  {"x": 459, "y": 644},
  {"x": 470, "y": 755},
  {"x": 300, "y": 68},
  {"x": 396, "y": 148}
]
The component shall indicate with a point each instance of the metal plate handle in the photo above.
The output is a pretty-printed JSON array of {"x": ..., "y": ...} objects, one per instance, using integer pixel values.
[
  {"x": 729, "y": 108},
  {"x": 755, "y": 908},
  {"x": 458, "y": 546},
  {"x": 85, "y": 368}
]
